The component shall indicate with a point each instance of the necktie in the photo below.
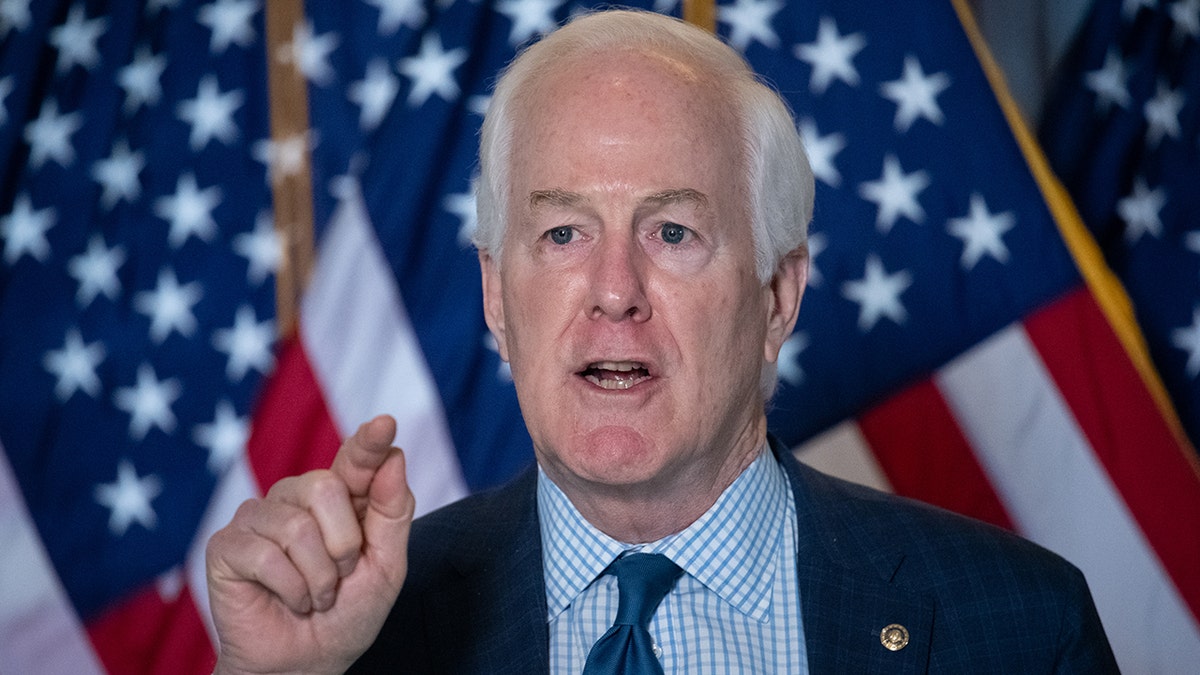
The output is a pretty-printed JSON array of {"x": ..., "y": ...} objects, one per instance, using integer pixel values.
[{"x": 642, "y": 581}]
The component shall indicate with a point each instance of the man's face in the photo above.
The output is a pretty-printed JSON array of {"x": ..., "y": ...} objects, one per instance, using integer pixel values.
[{"x": 626, "y": 300}]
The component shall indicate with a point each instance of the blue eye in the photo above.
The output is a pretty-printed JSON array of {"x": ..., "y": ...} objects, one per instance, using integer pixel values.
[
  {"x": 673, "y": 233},
  {"x": 561, "y": 235}
]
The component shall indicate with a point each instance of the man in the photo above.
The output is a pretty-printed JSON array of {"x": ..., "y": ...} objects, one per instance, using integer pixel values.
[{"x": 643, "y": 205}]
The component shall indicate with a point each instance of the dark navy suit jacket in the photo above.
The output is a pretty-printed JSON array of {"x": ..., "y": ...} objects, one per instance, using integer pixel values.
[{"x": 973, "y": 598}]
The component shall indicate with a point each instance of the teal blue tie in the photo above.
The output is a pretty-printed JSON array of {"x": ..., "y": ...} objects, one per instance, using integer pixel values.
[{"x": 643, "y": 579}]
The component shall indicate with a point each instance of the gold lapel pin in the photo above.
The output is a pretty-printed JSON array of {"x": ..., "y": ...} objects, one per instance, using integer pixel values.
[{"x": 893, "y": 637}]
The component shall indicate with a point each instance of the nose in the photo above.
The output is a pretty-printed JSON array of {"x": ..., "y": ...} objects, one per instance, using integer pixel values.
[{"x": 617, "y": 289}]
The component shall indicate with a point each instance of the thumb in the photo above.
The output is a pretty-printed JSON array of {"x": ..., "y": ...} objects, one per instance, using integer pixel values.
[{"x": 388, "y": 517}]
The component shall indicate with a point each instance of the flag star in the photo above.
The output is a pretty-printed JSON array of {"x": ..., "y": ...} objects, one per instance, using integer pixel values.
[
  {"x": 140, "y": 79},
  {"x": 895, "y": 194},
  {"x": 1162, "y": 114},
  {"x": 982, "y": 232},
  {"x": 6, "y": 87},
  {"x": 831, "y": 56},
  {"x": 374, "y": 94},
  {"x": 1140, "y": 211},
  {"x": 504, "y": 370},
  {"x": 24, "y": 231},
  {"x": 76, "y": 39},
  {"x": 1185, "y": 14},
  {"x": 118, "y": 175},
  {"x": 129, "y": 498},
  {"x": 49, "y": 136},
  {"x": 1192, "y": 241},
  {"x": 665, "y": 6},
  {"x": 432, "y": 71},
  {"x": 189, "y": 211},
  {"x": 1130, "y": 8},
  {"x": 821, "y": 151},
  {"x": 155, "y": 6},
  {"x": 96, "y": 271},
  {"x": 170, "y": 584},
  {"x": 283, "y": 158},
  {"x": 479, "y": 104},
  {"x": 462, "y": 205},
  {"x": 1188, "y": 339},
  {"x": 14, "y": 15},
  {"x": 878, "y": 294},
  {"x": 751, "y": 20},
  {"x": 529, "y": 18},
  {"x": 211, "y": 113},
  {"x": 247, "y": 344},
  {"x": 262, "y": 248},
  {"x": 816, "y": 245},
  {"x": 75, "y": 366},
  {"x": 1109, "y": 83},
  {"x": 230, "y": 22},
  {"x": 915, "y": 94},
  {"x": 789, "y": 358},
  {"x": 169, "y": 306},
  {"x": 148, "y": 403},
  {"x": 225, "y": 437},
  {"x": 310, "y": 53},
  {"x": 396, "y": 13}
]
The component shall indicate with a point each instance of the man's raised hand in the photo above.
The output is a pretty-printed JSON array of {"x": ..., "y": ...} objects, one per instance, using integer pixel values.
[{"x": 302, "y": 580}]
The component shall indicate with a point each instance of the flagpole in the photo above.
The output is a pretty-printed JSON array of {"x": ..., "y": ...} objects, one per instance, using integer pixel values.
[
  {"x": 702, "y": 13},
  {"x": 292, "y": 189}
]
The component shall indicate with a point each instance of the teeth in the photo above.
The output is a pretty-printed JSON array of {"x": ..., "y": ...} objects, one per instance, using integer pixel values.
[
  {"x": 619, "y": 366},
  {"x": 615, "y": 374}
]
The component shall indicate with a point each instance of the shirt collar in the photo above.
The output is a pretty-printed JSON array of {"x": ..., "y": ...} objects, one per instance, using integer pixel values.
[{"x": 731, "y": 549}]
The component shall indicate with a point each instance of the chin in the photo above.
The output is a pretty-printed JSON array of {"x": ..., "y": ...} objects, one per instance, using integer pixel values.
[{"x": 613, "y": 455}]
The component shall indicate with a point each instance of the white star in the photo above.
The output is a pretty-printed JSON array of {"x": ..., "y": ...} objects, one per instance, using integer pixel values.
[
  {"x": 310, "y": 53},
  {"x": 1192, "y": 241},
  {"x": 96, "y": 271},
  {"x": 1109, "y": 83},
  {"x": 75, "y": 366},
  {"x": 816, "y": 245},
  {"x": 831, "y": 56},
  {"x": 1186, "y": 16},
  {"x": 462, "y": 204},
  {"x": 129, "y": 497},
  {"x": 24, "y": 231},
  {"x": 1130, "y": 7},
  {"x": 118, "y": 174},
  {"x": 14, "y": 15},
  {"x": 49, "y": 136},
  {"x": 1162, "y": 114},
  {"x": 821, "y": 151},
  {"x": 211, "y": 113},
  {"x": 6, "y": 87},
  {"x": 225, "y": 437},
  {"x": 247, "y": 344},
  {"x": 189, "y": 211},
  {"x": 374, "y": 94},
  {"x": 396, "y": 13},
  {"x": 148, "y": 403},
  {"x": 262, "y": 248},
  {"x": 432, "y": 71},
  {"x": 529, "y": 18},
  {"x": 878, "y": 294},
  {"x": 895, "y": 194},
  {"x": 140, "y": 79},
  {"x": 1140, "y": 211},
  {"x": 282, "y": 158},
  {"x": 504, "y": 370},
  {"x": 1188, "y": 339},
  {"x": 751, "y": 20},
  {"x": 789, "y": 358},
  {"x": 76, "y": 39},
  {"x": 915, "y": 94},
  {"x": 230, "y": 22},
  {"x": 982, "y": 232},
  {"x": 155, "y": 6},
  {"x": 479, "y": 104},
  {"x": 169, "y": 306}
]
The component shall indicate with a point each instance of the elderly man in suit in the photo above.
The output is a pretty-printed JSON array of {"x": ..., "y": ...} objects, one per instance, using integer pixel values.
[{"x": 643, "y": 207}]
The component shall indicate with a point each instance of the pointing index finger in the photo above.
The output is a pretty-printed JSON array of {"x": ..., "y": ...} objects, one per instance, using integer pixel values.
[{"x": 362, "y": 454}]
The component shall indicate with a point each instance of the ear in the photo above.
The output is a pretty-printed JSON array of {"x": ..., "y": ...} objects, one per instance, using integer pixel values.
[
  {"x": 785, "y": 290},
  {"x": 493, "y": 301}
]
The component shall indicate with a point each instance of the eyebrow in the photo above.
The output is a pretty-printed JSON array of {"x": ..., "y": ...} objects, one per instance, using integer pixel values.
[
  {"x": 557, "y": 197},
  {"x": 678, "y": 196}
]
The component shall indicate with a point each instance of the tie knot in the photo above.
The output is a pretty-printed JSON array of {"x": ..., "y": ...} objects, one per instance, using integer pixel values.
[{"x": 643, "y": 579}]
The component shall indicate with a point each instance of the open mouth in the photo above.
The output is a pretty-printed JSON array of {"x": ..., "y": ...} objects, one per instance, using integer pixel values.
[{"x": 615, "y": 374}]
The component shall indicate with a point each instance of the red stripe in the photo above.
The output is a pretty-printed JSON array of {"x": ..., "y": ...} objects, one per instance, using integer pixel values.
[
  {"x": 1154, "y": 472},
  {"x": 144, "y": 634},
  {"x": 293, "y": 431},
  {"x": 923, "y": 452}
]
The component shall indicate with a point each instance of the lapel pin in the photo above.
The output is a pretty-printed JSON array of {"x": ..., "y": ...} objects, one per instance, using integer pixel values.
[{"x": 893, "y": 637}]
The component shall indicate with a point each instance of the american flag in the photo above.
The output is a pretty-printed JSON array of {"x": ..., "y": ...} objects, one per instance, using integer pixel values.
[{"x": 951, "y": 346}]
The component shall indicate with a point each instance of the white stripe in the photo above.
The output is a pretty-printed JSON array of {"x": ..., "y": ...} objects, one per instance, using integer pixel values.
[
  {"x": 39, "y": 630},
  {"x": 366, "y": 356},
  {"x": 1061, "y": 497},
  {"x": 843, "y": 452}
]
